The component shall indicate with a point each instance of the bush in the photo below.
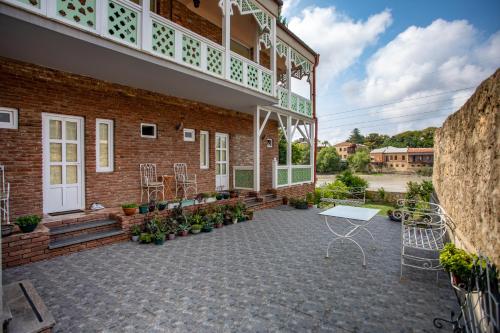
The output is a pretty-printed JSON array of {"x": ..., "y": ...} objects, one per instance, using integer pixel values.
[
  {"x": 335, "y": 190},
  {"x": 382, "y": 194},
  {"x": 457, "y": 261},
  {"x": 359, "y": 161},
  {"x": 425, "y": 171},
  {"x": 351, "y": 180},
  {"x": 328, "y": 160},
  {"x": 419, "y": 191}
]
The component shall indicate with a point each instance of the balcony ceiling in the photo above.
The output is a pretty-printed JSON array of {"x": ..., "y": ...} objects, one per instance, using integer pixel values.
[{"x": 30, "y": 38}]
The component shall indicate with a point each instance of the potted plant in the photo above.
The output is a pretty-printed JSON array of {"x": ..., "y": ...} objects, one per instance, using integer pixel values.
[
  {"x": 212, "y": 197},
  {"x": 196, "y": 228},
  {"x": 208, "y": 225},
  {"x": 299, "y": 203},
  {"x": 162, "y": 205},
  {"x": 225, "y": 195},
  {"x": 184, "y": 229},
  {"x": 285, "y": 200},
  {"x": 159, "y": 237},
  {"x": 145, "y": 238},
  {"x": 28, "y": 223},
  {"x": 200, "y": 198},
  {"x": 136, "y": 232},
  {"x": 459, "y": 264},
  {"x": 152, "y": 206},
  {"x": 310, "y": 199},
  {"x": 219, "y": 196},
  {"x": 249, "y": 214},
  {"x": 144, "y": 208},
  {"x": 129, "y": 209}
]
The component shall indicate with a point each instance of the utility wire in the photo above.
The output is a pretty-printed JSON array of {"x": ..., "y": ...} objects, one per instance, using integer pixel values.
[
  {"x": 382, "y": 119},
  {"x": 390, "y": 110},
  {"x": 399, "y": 101}
]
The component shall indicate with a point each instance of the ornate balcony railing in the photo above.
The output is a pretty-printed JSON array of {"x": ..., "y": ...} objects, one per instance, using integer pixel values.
[
  {"x": 291, "y": 101},
  {"x": 127, "y": 23},
  {"x": 287, "y": 175}
]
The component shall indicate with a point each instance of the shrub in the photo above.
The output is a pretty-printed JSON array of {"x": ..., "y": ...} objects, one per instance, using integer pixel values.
[
  {"x": 146, "y": 238},
  {"x": 382, "y": 194},
  {"x": 129, "y": 205},
  {"x": 419, "y": 191},
  {"x": 351, "y": 180},
  {"x": 457, "y": 261},
  {"x": 425, "y": 171},
  {"x": 335, "y": 190},
  {"x": 136, "y": 230}
]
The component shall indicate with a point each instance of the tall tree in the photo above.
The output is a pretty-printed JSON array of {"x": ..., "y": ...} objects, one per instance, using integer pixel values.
[
  {"x": 356, "y": 136},
  {"x": 328, "y": 160},
  {"x": 359, "y": 160}
]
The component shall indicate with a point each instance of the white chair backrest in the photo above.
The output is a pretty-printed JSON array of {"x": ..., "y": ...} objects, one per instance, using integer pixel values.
[
  {"x": 180, "y": 171},
  {"x": 148, "y": 173}
]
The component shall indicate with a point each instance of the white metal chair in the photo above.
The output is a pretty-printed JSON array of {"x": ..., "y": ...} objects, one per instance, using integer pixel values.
[
  {"x": 423, "y": 232},
  {"x": 150, "y": 185},
  {"x": 4, "y": 197},
  {"x": 184, "y": 181}
]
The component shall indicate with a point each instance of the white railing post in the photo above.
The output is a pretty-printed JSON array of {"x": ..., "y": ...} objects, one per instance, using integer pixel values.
[
  {"x": 273, "y": 55},
  {"x": 226, "y": 38},
  {"x": 289, "y": 148},
  {"x": 146, "y": 38},
  {"x": 289, "y": 76},
  {"x": 256, "y": 150},
  {"x": 275, "y": 173},
  {"x": 312, "y": 147}
]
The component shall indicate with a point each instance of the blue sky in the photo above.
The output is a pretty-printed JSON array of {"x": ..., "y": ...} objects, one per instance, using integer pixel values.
[{"x": 421, "y": 54}]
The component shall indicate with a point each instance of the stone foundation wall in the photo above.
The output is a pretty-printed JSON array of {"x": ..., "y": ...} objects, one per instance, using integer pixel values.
[{"x": 467, "y": 169}]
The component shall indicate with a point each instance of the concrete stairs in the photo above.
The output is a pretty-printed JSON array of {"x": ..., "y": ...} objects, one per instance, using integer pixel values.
[{"x": 265, "y": 201}]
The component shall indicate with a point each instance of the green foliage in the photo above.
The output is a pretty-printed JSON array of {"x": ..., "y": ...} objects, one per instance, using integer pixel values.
[
  {"x": 310, "y": 198},
  {"x": 28, "y": 221},
  {"x": 328, "y": 160},
  {"x": 425, "y": 171},
  {"x": 136, "y": 230},
  {"x": 457, "y": 261},
  {"x": 351, "y": 180},
  {"x": 196, "y": 227},
  {"x": 356, "y": 136},
  {"x": 382, "y": 194},
  {"x": 298, "y": 203},
  {"x": 420, "y": 138},
  {"x": 360, "y": 160},
  {"x": 300, "y": 151},
  {"x": 335, "y": 190},
  {"x": 146, "y": 238},
  {"x": 129, "y": 205},
  {"x": 375, "y": 140},
  {"x": 419, "y": 191}
]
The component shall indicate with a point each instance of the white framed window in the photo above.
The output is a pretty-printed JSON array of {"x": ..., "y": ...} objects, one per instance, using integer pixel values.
[
  {"x": 204, "y": 150},
  {"x": 189, "y": 134},
  {"x": 8, "y": 118},
  {"x": 148, "y": 130},
  {"x": 104, "y": 145}
]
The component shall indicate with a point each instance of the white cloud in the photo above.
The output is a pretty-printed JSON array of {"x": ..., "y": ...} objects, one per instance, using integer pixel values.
[
  {"x": 288, "y": 7},
  {"x": 339, "y": 39}
]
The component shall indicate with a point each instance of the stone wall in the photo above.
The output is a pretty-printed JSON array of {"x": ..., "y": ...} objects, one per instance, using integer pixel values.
[{"x": 467, "y": 169}]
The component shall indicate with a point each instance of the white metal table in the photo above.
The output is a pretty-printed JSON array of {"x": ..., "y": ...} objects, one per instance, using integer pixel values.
[{"x": 350, "y": 214}]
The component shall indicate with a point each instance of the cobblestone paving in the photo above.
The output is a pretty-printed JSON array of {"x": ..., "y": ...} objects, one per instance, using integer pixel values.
[{"x": 266, "y": 275}]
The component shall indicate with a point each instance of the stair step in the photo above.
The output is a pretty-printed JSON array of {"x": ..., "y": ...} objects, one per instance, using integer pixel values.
[
  {"x": 84, "y": 238},
  {"x": 80, "y": 226},
  {"x": 270, "y": 196}
]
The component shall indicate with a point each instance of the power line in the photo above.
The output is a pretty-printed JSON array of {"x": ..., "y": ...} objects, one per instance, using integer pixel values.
[
  {"x": 401, "y": 122},
  {"x": 382, "y": 119},
  {"x": 399, "y": 101},
  {"x": 394, "y": 109}
]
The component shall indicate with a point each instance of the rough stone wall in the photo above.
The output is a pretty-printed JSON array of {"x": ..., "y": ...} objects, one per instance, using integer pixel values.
[
  {"x": 467, "y": 169},
  {"x": 32, "y": 90}
]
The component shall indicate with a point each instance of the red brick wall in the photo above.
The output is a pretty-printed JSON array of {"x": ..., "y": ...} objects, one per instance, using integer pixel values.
[
  {"x": 297, "y": 191},
  {"x": 32, "y": 90}
]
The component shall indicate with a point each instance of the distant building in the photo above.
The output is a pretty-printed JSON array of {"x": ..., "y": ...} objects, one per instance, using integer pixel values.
[
  {"x": 346, "y": 149},
  {"x": 401, "y": 159}
]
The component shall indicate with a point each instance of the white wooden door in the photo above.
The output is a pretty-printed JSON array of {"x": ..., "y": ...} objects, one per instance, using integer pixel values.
[
  {"x": 221, "y": 161},
  {"x": 63, "y": 180}
]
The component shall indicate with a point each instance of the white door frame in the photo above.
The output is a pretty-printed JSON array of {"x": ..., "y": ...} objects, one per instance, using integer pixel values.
[
  {"x": 218, "y": 134},
  {"x": 46, "y": 156}
]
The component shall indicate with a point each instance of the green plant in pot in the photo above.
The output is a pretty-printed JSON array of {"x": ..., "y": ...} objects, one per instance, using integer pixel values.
[
  {"x": 196, "y": 228},
  {"x": 208, "y": 224},
  {"x": 310, "y": 199},
  {"x": 299, "y": 203},
  {"x": 144, "y": 208},
  {"x": 225, "y": 195},
  {"x": 219, "y": 196},
  {"x": 162, "y": 205},
  {"x": 458, "y": 263},
  {"x": 217, "y": 219},
  {"x": 136, "y": 232},
  {"x": 28, "y": 223},
  {"x": 146, "y": 238},
  {"x": 159, "y": 238},
  {"x": 129, "y": 209},
  {"x": 184, "y": 229}
]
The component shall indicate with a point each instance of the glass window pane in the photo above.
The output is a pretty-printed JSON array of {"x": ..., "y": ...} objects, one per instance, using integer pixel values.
[
  {"x": 71, "y": 152},
  {"x": 103, "y": 132},
  {"x": 223, "y": 155},
  {"x": 203, "y": 148},
  {"x": 217, "y": 145},
  {"x": 71, "y": 174},
  {"x": 5, "y": 117},
  {"x": 217, "y": 169},
  {"x": 223, "y": 169},
  {"x": 223, "y": 142},
  {"x": 56, "y": 152},
  {"x": 217, "y": 155},
  {"x": 103, "y": 155},
  {"x": 55, "y": 174},
  {"x": 71, "y": 130},
  {"x": 55, "y": 129}
]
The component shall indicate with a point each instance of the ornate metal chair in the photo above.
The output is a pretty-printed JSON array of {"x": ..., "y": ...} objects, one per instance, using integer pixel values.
[
  {"x": 183, "y": 181},
  {"x": 4, "y": 197},
  {"x": 150, "y": 185},
  {"x": 423, "y": 232}
]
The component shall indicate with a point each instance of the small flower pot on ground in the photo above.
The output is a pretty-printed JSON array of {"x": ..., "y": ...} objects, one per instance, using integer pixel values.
[
  {"x": 225, "y": 195},
  {"x": 143, "y": 209},
  {"x": 162, "y": 205},
  {"x": 171, "y": 236},
  {"x": 207, "y": 228},
  {"x": 152, "y": 206},
  {"x": 159, "y": 238},
  {"x": 136, "y": 232},
  {"x": 135, "y": 238},
  {"x": 219, "y": 225},
  {"x": 183, "y": 233},
  {"x": 28, "y": 223},
  {"x": 129, "y": 209},
  {"x": 285, "y": 201},
  {"x": 196, "y": 228}
]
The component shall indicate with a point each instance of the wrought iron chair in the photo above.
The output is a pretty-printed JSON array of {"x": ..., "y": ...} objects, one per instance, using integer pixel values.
[
  {"x": 423, "y": 232},
  {"x": 4, "y": 197},
  {"x": 149, "y": 182},
  {"x": 183, "y": 181}
]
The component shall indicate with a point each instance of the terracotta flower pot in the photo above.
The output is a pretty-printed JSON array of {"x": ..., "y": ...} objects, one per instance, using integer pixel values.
[
  {"x": 183, "y": 233},
  {"x": 129, "y": 211}
]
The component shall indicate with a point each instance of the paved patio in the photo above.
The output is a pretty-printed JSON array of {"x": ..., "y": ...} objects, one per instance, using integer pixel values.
[{"x": 269, "y": 274}]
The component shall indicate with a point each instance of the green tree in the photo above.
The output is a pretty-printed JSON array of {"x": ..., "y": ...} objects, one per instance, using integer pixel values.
[
  {"x": 359, "y": 161},
  {"x": 328, "y": 160},
  {"x": 300, "y": 151},
  {"x": 375, "y": 140},
  {"x": 419, "y": 138},
  {"x": 351, "y": 180},
  {"x": 356, "y": 136}
]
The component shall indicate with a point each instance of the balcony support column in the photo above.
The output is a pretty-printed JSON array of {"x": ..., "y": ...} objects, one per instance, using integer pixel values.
[
  {"x": 256, "y": 150},
  {"x": 146, "y": 39},
  {"x": 289, "y": 76},
  {"x": 226, "y": 38},
  {"x": 273, "y": 53},
  {"x": 289, "y": 135}
]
